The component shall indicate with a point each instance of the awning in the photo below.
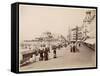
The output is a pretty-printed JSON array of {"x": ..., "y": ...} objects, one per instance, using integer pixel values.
[{"x": 90, "y": 41}]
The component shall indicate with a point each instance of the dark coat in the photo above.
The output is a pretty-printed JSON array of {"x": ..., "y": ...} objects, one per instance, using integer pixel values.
[
  {"x": 46, "y": 51},
  {"x": 41, "y": 54}
]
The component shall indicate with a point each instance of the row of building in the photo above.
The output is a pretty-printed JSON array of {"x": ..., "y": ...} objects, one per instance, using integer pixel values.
[
  {"x": 47, "y": 38},
  {"x": 87, "y": 31}
]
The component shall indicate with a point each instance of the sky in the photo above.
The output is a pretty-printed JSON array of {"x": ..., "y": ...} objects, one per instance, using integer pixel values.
[{"x": 34, "y": 20}]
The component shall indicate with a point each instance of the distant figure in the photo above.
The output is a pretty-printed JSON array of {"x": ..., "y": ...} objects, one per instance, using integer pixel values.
[
  {"x": 74, "y": 47},
  {"x": 79, "y": 44},
  {"x": 54, "y": 52},
  {"x": 31, "y": 60},
  {"x": 34, "y": 58},
  {"x": 34, "y": 55},
  {"x": 71, "y": 47},
  {"x": 46, "y": 53},
  {"x": 41, "y": 53},
  {"x": 48, "y": 49}
]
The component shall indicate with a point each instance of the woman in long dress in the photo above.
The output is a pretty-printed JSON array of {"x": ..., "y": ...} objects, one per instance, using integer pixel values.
[
  {"x": 41, "y": 54},
  {"x": 54, "y": 52},
  {"x": 46, "y": 51},
  {"x": 71, "y": 47},
  {"x": 34, "y": 56}
]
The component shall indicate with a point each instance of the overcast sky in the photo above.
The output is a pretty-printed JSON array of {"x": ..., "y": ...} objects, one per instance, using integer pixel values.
[{"x": 34, "y": 20}]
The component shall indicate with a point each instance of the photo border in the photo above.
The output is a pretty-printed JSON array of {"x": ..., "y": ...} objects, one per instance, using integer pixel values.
[{"x": 15, "y": 36}]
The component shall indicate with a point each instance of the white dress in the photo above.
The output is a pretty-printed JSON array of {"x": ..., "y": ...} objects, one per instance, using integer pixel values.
[
  {"x": 34, "y": 57},
  {"x": 31, "y": 60}
]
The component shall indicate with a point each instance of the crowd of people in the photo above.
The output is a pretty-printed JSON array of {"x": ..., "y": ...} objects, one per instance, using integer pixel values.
[
  {"x": 44, "y": 52},
  {"x": 73, "y": 47}
]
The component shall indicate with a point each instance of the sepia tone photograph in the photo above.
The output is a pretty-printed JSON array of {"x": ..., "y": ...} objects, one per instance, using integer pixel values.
[{"x": 53, "y": 37}]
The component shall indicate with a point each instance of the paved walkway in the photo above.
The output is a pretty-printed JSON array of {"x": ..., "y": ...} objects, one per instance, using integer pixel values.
[{"x": 65, "y": 59}]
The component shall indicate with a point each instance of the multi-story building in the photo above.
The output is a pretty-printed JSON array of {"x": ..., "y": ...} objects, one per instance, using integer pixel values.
[
  {"x": 89, "y": 28},
  {"x": 76, "y": 34},
  {"x": 89, "y": 24}
]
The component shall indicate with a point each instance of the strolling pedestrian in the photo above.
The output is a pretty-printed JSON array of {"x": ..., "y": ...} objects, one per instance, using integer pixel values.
[
  {"x": 31, "y": 59},
  {"x": 74, "y": 48},
  {"x": 71, "y": 47},
  {"x": 41, "y": 53},
  {"x": 45, "y": 54},
  {"x": 79, "y": 44},
  {"x": 54, "y": 52},
  {"x": 34, "y": 55}
]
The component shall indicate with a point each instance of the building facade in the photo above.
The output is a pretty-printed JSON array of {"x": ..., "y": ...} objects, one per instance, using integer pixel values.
[
  {"x": 76, "y": 34},
  {"x": 89, "y": 24}
]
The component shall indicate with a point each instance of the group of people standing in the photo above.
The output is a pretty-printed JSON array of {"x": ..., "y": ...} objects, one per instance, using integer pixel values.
[
  {"x": 45, "y": 50},
  {"x": 73, "y": 47},
  {"x": 43, "y": 54}
]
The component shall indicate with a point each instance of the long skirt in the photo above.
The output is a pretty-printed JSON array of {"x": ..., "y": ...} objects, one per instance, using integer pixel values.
[
  {"x": 45, "y": 56},
  {"x": 74, "y": 49},
  {"x": 34, "y": 58},
  {"x": 54, "y": 56},
  {"x": 41, "y": 57},
  {"x": 71, "y": 49}
]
